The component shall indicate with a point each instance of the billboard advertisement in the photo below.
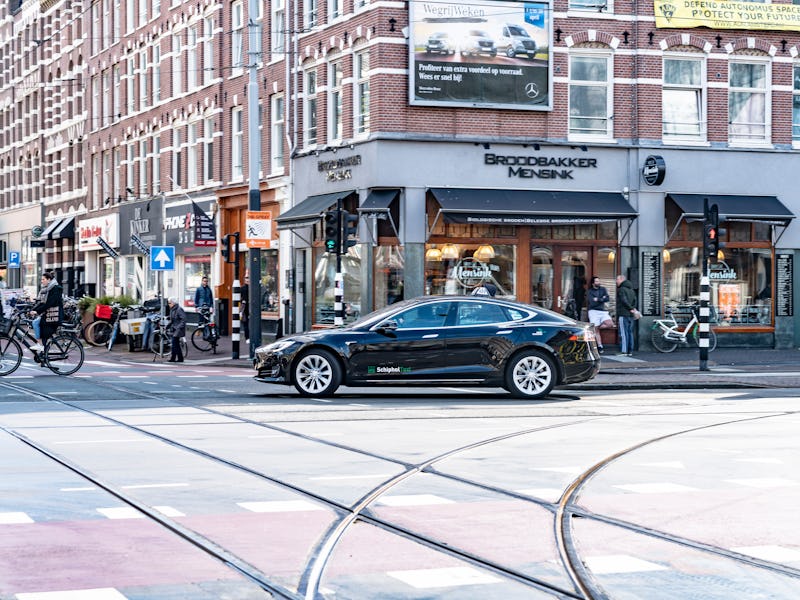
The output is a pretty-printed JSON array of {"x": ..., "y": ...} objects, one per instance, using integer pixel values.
[{"x": 482, "y": 54}]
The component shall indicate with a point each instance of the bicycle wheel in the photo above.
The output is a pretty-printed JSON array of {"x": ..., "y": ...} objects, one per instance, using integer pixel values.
[
  {"x": 63, "y": 354},
  {"x": 97, "y": 333},
  {"x": 198, "y": 342},
  {"x": 659, "y": 342},
  {"x": 694, "y": 337},
  {"x": 157, "y": 348},
  {"x": 10, "y": 355}
]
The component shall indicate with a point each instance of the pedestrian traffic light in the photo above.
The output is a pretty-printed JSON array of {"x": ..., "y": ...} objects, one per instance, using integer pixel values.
[
  {"x": 332, "y": 231},
  {"x": 349, "y": 228}
]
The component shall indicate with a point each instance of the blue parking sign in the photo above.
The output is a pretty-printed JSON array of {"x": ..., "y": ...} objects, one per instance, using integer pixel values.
[
  {"x": 162, "y": 258},
  {"x": 13, "y": 259}
]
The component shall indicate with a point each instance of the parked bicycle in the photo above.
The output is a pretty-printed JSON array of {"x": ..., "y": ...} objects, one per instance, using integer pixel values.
[
  {"x": 62, "y": 354},
  {"x": 161, "y": 340},
  {"x": 667, "y": 333},
  {"x": 206, "y": 336},
  {"x": 99, "y": 332}
]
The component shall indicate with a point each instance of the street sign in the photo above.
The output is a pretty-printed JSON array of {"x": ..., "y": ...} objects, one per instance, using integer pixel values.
[
  {"x": 162, "y": 258},
  {"x": 137, "y": 243},
  {"x": 13, "y": 259},
  {"x": 37, "y": 230},
  {"x": 104, "y": 245},
  {"x": 258, "y": 229}
]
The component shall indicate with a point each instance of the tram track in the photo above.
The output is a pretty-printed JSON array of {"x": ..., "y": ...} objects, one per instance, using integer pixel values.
[{"x": 563, "y": 511}]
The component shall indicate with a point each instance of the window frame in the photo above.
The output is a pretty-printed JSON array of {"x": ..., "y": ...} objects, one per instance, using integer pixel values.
[
  {"x": 237, "y": 143},
  {"x": 310, "y": 107},
  {"x": 277, "y": 132},
  {"x": 701, "y": 90},
  {"x": 361, "y": 92},
  {"x": 335, "y": 82},
  {"x": 749, "y": 140},
  {"x": 592, "y": 53},
  {"x": 237, "y": 38}
]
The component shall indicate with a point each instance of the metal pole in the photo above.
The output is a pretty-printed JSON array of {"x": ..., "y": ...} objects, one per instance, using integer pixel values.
[
  {"x": 338, "y": 291},
  {"x": 237, "y": 298},
  {"x": 254, "y": 166},
  {"x": 705, "y": 294}
]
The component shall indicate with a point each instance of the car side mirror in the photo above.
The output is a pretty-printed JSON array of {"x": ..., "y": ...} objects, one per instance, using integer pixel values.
[{"x": 386, "y": 327}]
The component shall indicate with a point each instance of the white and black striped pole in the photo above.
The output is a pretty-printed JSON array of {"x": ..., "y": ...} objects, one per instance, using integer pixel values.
[
  {"x": 338, "y": 292},
  {"x": 236, "y": 321},
  {"x": 705, "y": 289}
]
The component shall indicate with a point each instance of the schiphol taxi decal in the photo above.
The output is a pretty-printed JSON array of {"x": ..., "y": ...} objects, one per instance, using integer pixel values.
[{"x": 387, "y": 370}]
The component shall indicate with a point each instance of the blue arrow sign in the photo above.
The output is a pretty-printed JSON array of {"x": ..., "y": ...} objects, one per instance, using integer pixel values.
[
  {"x": 13, "y": 259},
  {"x": 162, "y": 258}
]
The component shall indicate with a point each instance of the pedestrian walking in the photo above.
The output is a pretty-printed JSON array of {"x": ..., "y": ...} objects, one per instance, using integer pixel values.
[
  {"x": 485, "y": 289},
  {"x": 598, "y": 313},
  {"x": 177, "y": 327},
  {"x": 203, "y": 295},
  {"x": 49, "y": 307},
  {"x": 626, "y": 310}
]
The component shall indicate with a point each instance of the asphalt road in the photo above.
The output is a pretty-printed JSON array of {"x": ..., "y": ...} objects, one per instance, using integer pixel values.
[{"x": 157, "y": 481}]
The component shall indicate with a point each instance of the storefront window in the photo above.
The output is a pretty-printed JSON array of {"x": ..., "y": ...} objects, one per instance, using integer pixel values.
[
  {"x": 460, "y": 268},
  {"x": 741, "y": 285},
  {"x": 270, "y": 296},
  {"x": 324, "y": 282},
  {"x": 194, "y": 268},
  {"x": 389, "y": 275},
  {"x": 108, "y": 277}
]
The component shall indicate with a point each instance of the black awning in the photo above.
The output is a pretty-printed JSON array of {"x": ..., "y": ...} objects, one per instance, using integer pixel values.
[
  {"x": 732, "y": 208},
  {"x": 378, "y": 202},
  {"x": 47, "y": 234},
  {"x": 530, "y": 207},
  {"x": 310, "y": 210},
  {"x": 65, "y": 229}
]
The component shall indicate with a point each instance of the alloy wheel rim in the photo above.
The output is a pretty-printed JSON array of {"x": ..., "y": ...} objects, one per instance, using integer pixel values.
[
  {"x": 532, "y": 375},
  {"x": 314, "y": 373}
]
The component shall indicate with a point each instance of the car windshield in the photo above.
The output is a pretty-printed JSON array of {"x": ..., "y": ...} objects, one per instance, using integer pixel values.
[
  {"x": 380, "y": 313},
  {"x": 478, "y": 33},
  {"x": 518, "y": 32},
  {"x": 439, "y": 36}
]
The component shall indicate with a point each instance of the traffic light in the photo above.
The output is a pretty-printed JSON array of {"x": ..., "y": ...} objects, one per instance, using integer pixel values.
[
  {"x": 332, "y": 231},
  {"x": 349, "y": 228},
  {"x": 230, "y": 248},
  {"x": 712, "y": 234}
]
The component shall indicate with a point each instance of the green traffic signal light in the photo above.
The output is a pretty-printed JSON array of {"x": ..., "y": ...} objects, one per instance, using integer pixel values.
[{"x": 332, "y": 231}]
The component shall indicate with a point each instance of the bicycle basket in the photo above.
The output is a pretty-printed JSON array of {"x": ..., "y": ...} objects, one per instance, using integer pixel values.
[{"x": 103, "y": 311}]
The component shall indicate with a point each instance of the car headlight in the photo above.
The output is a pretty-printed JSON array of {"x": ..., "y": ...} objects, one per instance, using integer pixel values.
[{"x": 277, "y": 346}]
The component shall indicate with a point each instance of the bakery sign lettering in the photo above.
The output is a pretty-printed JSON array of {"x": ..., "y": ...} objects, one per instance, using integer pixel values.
[{"x": 339, "y": 170}]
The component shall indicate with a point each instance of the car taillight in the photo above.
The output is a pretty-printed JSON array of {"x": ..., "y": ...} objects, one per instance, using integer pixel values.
[{"x": 587, "y": 335}]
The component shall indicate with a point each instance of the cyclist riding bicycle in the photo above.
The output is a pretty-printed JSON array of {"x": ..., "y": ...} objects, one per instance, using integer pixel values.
[{"x": 50, "y": 306}]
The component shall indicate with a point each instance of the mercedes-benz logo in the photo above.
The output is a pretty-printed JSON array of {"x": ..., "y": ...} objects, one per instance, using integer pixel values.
[{"x": 531, "y": 90}]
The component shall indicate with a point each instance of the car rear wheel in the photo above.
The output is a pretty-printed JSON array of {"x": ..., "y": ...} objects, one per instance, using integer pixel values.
[
  {"x": 317, "y": 373},
  {"x": 510, "y": 53},
  {"x": 530, "y": 374}
]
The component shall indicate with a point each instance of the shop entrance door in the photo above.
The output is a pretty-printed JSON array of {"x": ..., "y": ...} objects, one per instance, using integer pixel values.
[{"x": 559, "y": 278}]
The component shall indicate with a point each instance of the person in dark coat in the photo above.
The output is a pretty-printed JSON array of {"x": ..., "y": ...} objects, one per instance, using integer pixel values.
[
  {"x": 177, "y": 327},
  {"x": 203, "y": 296},
  {"x": 626, "y": 304},
  {"x": 50, "y": 306}
]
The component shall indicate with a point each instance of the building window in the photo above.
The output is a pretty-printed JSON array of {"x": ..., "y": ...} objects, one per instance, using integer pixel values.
[
  {"x": 237, "y": 144},
  {"x": 107, "y": 97},
  {"x": 191, "y": 155},
  {"x": 590, "y": 95},
  {"x": 278, "y": 28},
  {"x": 143, "y": 94},
  {"x": 325, "y": 286},
  {"x": 177, "y": 76},
  {"x": 682, "y": 98},
  {"x": 142, "y": 191},
  {"x": 208, "y": 50},
  {"x": 156, "y": 8},
  {"x": 362, "y": 93},
  {"x": 276, "y": 141},
  {"x": 176, "y": 158},
  {"x": 131, "y": 86},
  {"x": 310, "y": 16},
  {"x": 116, "y": 100},
  {"x": 191, "y": 59},
  {"x": 142, "y": 12},
  {"x": 129, "y": 170},
  {"x": 130, "y": 14},
  {"x": 208, "y": 150},
  {"x": 748, "y": 102},
  {"x": 237, "y": 38},
  {"x": 156, "y": 164},
  {"x": 310, "y": 108},
  {"x": 594, "y": 5},
  {"x": 334, "y": 9},
  {"x": 796, "y": 105},
  {"x": 335, "y": 121},
  {"x": 442, "y": 277},
  {"x": 156, "y": 74},
  {"x": 389, "y": 275}
]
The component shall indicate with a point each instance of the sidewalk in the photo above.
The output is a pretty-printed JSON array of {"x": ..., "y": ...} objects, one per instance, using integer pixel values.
[{"x": 728, "y": 367}]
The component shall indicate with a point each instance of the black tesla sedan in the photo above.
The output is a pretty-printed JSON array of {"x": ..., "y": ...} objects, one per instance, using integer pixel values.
[{"x": 438, "y": 340}]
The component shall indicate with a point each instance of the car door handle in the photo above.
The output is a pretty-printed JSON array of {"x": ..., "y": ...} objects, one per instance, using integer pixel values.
[
  {"x": 430, "y": 335},
  {"x": 503, "y": 331}
]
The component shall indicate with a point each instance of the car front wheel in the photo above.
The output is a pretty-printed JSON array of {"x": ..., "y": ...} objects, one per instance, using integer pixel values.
[
  {"x": 510, "y": 53},
  {"x": 530, "y": 374},
  {"x": 317, "y": 373}
]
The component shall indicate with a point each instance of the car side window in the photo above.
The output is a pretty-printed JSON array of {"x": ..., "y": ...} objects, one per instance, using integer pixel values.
[
  {"x": 424, "y": 316},
  {"x": 479, "y": 313},
  {"x": 516, "y": 315}
]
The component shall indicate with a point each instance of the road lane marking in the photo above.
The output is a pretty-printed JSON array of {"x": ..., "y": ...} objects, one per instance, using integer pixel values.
[
  {"x": 439, "y": 578},
  {"x": 568, "y": 470},
  {"x": 667, "y": 464},
  {"x": 92, "y": 594},
  {"x": 466, "y": 390},
  {"x": 777, "y": 554},
  {"x": 279, "y": 506},
  {"x": 144, "y": 486},
  {"x": 346, "y": 477},
  {"x": 620, "y": 563},
  {"x": 14, "y": 518},
  {"x": 413, "y": 500},
  {"x": 656, "y": 488},
  {"x": 550, "y": 494},
  {"x": 168, "y": 511},
  {"x": 766, "y": 461},
  {"x": 130, "y": 441},
  {"x": 120, "y": 512},
  {"x": 78, "y": 489},
  {"x": 63, "y": 393},
  {"x": 764, "y": 482}
]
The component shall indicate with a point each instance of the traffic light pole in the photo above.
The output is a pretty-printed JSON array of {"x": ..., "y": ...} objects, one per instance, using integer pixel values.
[
  {"x": 254, "y": 168},
  {"x": 709, "y": 237},
  {"x": 338, "y": 292}
]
